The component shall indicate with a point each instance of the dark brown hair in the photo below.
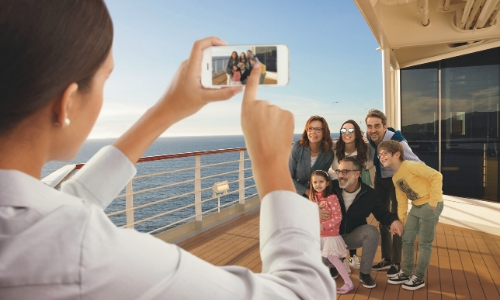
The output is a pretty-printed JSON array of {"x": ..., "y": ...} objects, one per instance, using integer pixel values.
[
  {"x": 45, "y": 46},
  {"x": 328, "y": 190},
  {"x": 326, "y": 142},
  {"x": 361, "y": 146},
  {"x": 375, "y": 113}
]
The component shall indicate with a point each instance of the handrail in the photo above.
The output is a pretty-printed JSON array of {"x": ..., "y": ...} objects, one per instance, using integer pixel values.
[
  {"x": 189, "y": 169},
  {"x": 178, "y": 206},
  {"x": 179, "y": 155}
]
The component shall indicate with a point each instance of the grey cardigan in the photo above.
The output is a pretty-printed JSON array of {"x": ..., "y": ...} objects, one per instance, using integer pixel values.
[{"x": 300, "y": 165}]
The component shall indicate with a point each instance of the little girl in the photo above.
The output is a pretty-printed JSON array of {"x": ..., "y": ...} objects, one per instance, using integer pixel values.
[
  {"x": 236, "y": 76},
  {"x": 332, "y": 244}
]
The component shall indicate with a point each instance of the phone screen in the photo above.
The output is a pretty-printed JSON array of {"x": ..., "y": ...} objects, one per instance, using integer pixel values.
[{"x": 231, "y": 65}]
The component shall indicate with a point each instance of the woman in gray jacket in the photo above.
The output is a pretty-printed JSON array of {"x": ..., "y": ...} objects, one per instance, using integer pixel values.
[{"x": 312, "y": 152}]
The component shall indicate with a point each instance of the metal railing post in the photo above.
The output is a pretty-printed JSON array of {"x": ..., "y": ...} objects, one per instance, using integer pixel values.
[
  {"x": 241, "y": 178},
  {"x": 197, "y": 190},
  {"x": 129, "y": 203}
]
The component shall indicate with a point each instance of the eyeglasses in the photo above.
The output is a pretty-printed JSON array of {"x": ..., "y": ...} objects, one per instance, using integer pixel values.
[
  {"x": 383, "y": 153},
  {"x": 315, "y": 129},
  {"x": 345, "y": 131},
  {"x": 344, "y": 172}
]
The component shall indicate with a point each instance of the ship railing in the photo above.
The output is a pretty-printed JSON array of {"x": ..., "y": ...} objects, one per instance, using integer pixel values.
[
  {"x": 219, "y": 65},
  {"x": 204, "y": 182}
]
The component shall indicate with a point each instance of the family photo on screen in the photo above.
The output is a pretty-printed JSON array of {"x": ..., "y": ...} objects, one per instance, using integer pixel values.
[{"x": 231, "y": 68}]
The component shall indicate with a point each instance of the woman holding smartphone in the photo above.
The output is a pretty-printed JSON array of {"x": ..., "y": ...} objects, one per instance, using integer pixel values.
[
  {"x": 312, "y": 152},
  {"x": 55, "y": 57}
]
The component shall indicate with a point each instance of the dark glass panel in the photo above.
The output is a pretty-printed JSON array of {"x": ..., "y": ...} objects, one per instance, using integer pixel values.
[
  {"x": 419, "y": 111},
  {"x": 470, "y": 125}
]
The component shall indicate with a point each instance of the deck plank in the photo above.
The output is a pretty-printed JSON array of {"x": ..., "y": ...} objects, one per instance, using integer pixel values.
[{"x": 465, "y": 264}]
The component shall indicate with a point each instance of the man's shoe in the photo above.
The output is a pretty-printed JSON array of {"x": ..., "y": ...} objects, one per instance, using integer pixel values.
[
  {"x": 400, "y": 278},
  {"x": 334, "y": 273},
  {"x": 355, "y": 262},
  {"x": 367, "y": 280},
  {"x": 346, "y": 264},
  {"x": 383, "y": 265},
  {"x": 413, "y": 284},
  {"x": 393, "y": 270}
]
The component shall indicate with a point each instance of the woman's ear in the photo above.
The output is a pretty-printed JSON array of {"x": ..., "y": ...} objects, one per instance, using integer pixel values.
[{"x": 63, "y": 106}]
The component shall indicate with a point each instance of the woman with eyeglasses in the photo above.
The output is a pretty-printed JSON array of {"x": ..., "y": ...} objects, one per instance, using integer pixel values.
[
  {"x": 351, "y": 143},
  {"x": 312, "y": 152}
]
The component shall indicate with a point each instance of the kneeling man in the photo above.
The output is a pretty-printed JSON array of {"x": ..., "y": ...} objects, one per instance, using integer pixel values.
[{"x": 358, "y": 201}]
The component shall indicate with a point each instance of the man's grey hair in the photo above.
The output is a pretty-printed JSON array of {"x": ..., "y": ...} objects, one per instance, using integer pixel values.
[{"x": 356, "y": 163}]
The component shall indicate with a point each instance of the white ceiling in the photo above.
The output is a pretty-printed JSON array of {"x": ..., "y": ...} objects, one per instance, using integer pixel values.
[{"x": 397, "y": 24}]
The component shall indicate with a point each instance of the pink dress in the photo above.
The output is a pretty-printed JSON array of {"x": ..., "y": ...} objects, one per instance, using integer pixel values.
[
  {"x": 236, "y": 79},
  {"x": 331, "y": 242}
]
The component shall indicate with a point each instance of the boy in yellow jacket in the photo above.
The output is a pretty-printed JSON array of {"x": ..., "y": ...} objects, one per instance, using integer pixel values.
[{"x": 423, "y": 186}]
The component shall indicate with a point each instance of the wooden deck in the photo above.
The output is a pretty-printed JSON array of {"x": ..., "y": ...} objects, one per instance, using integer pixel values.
[{"x": 465, "y": 264}]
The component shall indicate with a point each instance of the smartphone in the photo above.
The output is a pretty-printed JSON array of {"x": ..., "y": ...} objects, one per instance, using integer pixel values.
[{"x": 224, "y": 66}]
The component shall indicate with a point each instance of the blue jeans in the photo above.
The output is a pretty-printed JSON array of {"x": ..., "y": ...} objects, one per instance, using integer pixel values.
[{"x": 422, "y": 221}]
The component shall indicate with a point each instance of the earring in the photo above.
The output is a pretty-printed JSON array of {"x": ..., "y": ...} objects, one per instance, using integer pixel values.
[{"x": 67, "y": 121}]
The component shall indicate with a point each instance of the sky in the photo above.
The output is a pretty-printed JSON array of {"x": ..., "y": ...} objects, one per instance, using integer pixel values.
[{"x": 335, "y": 69}]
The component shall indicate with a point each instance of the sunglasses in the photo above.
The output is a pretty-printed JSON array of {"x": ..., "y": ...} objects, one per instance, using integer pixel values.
[{"x": 345, "y": 131}]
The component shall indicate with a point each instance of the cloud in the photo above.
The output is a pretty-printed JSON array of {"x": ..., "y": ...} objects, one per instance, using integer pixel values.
[{"x": 420, "y": 109}]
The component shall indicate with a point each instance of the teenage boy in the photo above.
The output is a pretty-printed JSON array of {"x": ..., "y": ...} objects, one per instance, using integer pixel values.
[
  {"x": 378, "y": 131},
  {"x": 424, "y": 187}
]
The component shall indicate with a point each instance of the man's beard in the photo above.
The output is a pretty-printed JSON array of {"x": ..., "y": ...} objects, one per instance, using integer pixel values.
[{"x": 345, "y": 183}]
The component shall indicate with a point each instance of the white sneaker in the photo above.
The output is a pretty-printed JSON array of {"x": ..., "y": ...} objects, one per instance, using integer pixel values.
[
  {"x": 355, "y": 262},
  {"x": 346, "y": 264}
]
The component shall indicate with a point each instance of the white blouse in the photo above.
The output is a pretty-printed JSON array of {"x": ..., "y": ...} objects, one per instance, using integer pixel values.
[
  {"x": 335, "y": 164},
  {"x": 61, "y": 245}
]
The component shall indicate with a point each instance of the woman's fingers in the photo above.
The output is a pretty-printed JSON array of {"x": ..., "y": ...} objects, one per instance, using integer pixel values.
[
  {"x": 221, "y": 94},
  {"x": 196, "y": 56},
  {"x": 252, "y": 86}
]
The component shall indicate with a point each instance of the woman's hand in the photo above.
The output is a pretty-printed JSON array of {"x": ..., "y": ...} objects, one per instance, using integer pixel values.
[
  {"x": 268, "y": 134},
  {"x": 184, "y": 96}
]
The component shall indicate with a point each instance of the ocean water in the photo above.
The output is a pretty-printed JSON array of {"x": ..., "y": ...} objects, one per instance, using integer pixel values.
[{"x": 174, "y": 145}]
